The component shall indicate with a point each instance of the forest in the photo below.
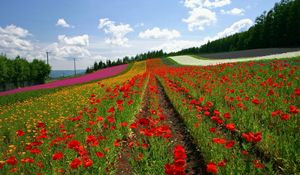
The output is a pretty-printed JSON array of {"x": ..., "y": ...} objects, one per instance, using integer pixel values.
[
  {"x": 279, "y": 27},
  {"x": 19, "y": 72}
]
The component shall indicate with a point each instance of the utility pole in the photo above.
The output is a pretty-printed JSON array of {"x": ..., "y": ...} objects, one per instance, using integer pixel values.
[
  {"x": 47, "y": 53},
  {"x": 75, "y": 66}
]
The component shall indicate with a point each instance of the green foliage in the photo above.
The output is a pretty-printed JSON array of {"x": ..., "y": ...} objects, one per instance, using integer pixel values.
[
  {"x": 39, "y": 71},
  {"x": 278, "y": 27},
  {"x": 19, "y": 71}
]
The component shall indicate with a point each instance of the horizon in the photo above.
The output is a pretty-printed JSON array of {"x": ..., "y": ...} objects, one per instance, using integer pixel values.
[{"x": 93, "y": 31}]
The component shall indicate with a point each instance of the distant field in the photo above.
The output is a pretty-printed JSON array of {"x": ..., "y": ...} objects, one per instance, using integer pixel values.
[
  {"x": 249, "y": 53},
  {"x": 64, "y": 73},
  {"x": 192, "y": 60}
]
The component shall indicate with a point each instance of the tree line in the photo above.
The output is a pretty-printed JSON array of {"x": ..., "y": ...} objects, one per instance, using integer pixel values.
[
  {"x": 279, "y": 27},
  {"x": 19, "y": 72},
  {"x": 139, "y": 57}
]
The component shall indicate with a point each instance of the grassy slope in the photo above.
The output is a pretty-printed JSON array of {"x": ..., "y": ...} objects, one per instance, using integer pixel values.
[{"x": 170, "y": 62}]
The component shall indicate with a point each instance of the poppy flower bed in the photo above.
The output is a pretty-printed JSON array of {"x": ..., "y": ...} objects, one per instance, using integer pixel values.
[
  {"x": 248, "y": 108},
  {"x": 72, "y": 131}
]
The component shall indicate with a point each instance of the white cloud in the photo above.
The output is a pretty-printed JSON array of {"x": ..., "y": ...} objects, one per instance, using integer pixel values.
[
  {"x": 14, "y": 41},
  {"x": 157, "y": 33},
  {"x": 206, "y": 3},
  {"x": 62, "y": 22},
  {"x": 82, "y": 40},
  {"x": 200, "y": 13},
  {"x": 236, "y": 27},
  {"x": 177, "y": 45},
  {"x": 117, "y": 32},
  {"x": 234, "y": 11},
  {"x": 70, "y": 47},
  {"x": 200, "y": 18}
]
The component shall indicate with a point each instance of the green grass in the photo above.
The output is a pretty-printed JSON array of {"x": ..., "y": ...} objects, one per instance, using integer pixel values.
[
  {"x": 170, "y": 62},
  {"x": 19, "y": 97}
]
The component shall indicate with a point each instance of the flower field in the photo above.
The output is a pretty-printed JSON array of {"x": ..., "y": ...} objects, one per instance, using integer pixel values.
[
  {"x": 237, "y": 118},
  {"x": 104, "y": 73}
]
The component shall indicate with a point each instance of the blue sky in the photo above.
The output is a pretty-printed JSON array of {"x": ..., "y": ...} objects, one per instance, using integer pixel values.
[{"x": 93, "y": 30}]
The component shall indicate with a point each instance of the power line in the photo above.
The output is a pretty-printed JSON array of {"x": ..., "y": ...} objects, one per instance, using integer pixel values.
[
  {"x": 47, "y": 53},
  {"x": 75, "y": 66}
]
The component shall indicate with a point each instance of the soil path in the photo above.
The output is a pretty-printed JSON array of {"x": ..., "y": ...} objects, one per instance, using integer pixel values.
[
  {"x": 181, "y": 135},
  {"x": 123, "y": 166}
]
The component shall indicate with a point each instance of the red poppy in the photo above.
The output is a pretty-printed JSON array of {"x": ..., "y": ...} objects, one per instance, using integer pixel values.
[
  {"x": 112, "y": 109},
  {"x": 13, "y": 170},
  {"x": 12, "y": 160},
  {"x": 40, "y": 125},
  {"x": 271, "y": 92},
  {"x": 196, "y": 125},
  {"x": 40, "y": 164},
  {"x": 227, "y": 115},
  {"x": 99, "y": 154},
  {"x": 255, "y": 101},
  {"x": 212, "y": 129},
  {"x": 275, "y": 113},
  {"x": 117, "y": 143},
  {"x": 222, "y": 163},
  {"x": 211, "y": 168},
  {"x": 20, "y": 133},
  {"x": 169, "y": 169},
  {"x": 285, "y": 116},
  {"x": 130, "y": 102},
  {"x": 92, "y": 140},
  {"x": 88, "y": 129},
  {"x": 219, "y": 140},
  {"x": 73, "y": 144},
  {"x": 258, "y": 164},
  {"x": 293, "y": 109},
  {"x": 229, "y": 144},
  {"x": 207, "y": 113},
  {"x": 251, "y": 137},
  {"x": 75, "y": 163},
  {"x": 87, "y": 163},
  {"x": 100, "y": 119},
  {"x": 179, "y": 152},
  {"x": 133, "y": 125},
  {"x": 119, "y": 102},
  {"x": 35, "y": 151},
  {"x": 230, "y": 126},
  {"x": 57, "y": 156}
]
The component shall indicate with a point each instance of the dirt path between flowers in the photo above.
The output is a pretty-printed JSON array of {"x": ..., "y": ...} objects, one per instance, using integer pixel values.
[
  {"x": 181, "y": 135},
  {"x": 123, "y": 166}
]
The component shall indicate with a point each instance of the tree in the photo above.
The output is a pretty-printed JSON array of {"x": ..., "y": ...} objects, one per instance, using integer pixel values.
[
  {"x": 39, "y": 71},
  {"x": 3, "y": 71}
]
